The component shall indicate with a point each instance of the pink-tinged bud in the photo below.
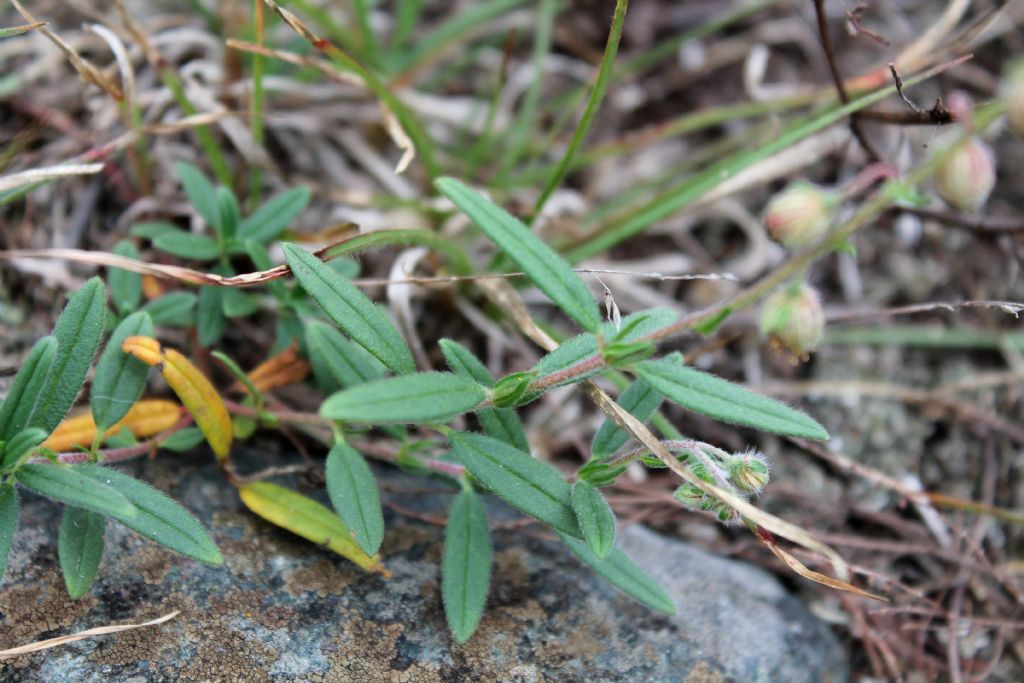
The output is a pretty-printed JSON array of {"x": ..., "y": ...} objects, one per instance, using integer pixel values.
[
  {"x": 793, "y": 319},
  {"x": 967, "y": 175},
  {"x": 800, "y": 214},
  {"x": 1012, "y": 92}
]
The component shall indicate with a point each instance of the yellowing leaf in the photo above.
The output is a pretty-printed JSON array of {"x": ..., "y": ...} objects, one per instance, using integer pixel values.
[
  {"x": 191, "y": 386},
  {"x": 305, "y": 517},
  {"x": 145, "y": 418},
  {"x": 281, "y": 370}
]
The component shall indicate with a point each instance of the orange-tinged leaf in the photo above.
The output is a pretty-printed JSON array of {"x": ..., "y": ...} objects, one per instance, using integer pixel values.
[
  {"x": 145, "y": 418},
  {"x": 305, "y": 517},
  {"x": 192, "y": 387},
  {"x": 151, "y": 287},
  {"x": 281, "y": 370},
  {"x": 801, "y": 569}
]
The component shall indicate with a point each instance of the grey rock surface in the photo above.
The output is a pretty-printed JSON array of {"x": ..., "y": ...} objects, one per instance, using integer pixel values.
[{"x": 282, "y": 609}]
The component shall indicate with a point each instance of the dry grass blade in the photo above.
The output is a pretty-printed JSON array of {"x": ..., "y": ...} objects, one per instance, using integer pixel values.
[
  {"x": 82, "y": 635},
  {"x": 84, "y": 67},
  {"x": 36, "y": 175},
  {"x": 19, "y": 30},
  {"x": 298, "y": 60},
  {"x": 400, "y": 138}
]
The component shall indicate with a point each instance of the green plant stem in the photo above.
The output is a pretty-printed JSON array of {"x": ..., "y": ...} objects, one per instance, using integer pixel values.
[
  {"x": 604, "y": 76},
  {"x": 206, "y": 140},
  {"x": 256, "y": 105}
]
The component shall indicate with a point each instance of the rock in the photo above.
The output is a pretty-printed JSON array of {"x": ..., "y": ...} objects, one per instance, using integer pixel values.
[{"x": 281, "y": 609}]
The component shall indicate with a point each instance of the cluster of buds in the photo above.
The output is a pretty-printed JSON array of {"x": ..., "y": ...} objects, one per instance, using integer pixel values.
[
  {"x": 1012, "y": 92},
  {"x": 793, "y": 319},
  {"x": 800, "y": 214},
  {"x": 967, "y": 175},
  {"x": 744, "y": 474}
]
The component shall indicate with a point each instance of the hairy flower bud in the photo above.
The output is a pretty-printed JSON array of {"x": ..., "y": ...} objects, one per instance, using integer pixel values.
[
  {"x": 967, "y": 175},
  {"x": 690, "y": 496},
  {"x": 748, "y": 472},
  {"x": 1012, "y": 92},
  {"x": 793, "y": 319},
  {"x": 800, "y": 214}
]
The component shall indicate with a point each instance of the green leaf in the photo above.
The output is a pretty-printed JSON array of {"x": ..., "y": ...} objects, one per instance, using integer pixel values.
[
  {"x": 549, "y": 271},
  {"x": 69, "y": 485},
  {"x": 80, "y": 548},
  {"x": 568, "y": 354},
  {"x": 183, "y": 440},
  {"x": 8, "y": 523},
  {"x": 27, "y": 384},
  {"x": 510, "y": 389},
  {"x": 350, "y": 310},
  {"x": 200, "y": 191},
  {"x": 715, "y": 397},
  {"x": 187, "y": 245},
  {"x": 640, "y": 324},
  {"x": 125, "y": 286},
  {"x": 236, "y": 303},
  {"x": 20, "y": 444},
  {"x": 210, "y": 320},
  {"x": 78, "y": 332},
  {"x": 501, "y": 423},
  {"x": 156, "y": 517},
  {"x": 274, "y": 215},
  {"x": 624, "y": 574},
  {"x": 423, "y": 397},
  {"x": 466, "y": 567},
  {"x": 595, "y": 517},
  {"x": 354, "y": 495},
  {"x": 120, "y": 377},
  {"x": 640, "y": 401},
  {"x": 173, "y": 309},
  {"x": 533, "y": 486},
  {"x": 346, "y": 363},
  {"x": 151, "y": 231},
  {"x": 229, "y": 215}
]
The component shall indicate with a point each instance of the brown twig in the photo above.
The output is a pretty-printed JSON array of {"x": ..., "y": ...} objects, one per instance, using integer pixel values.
[
  {"x": 985, "y": 225},
  {"x": 826, "y": 44}
]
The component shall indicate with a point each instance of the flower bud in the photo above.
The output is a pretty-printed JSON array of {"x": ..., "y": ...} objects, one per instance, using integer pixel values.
[
  {"x": 967, "y": 175},
  {"x": 690, "y": 496},
  {"x": 793, "y": 319},
  {"x": 1012, "y": 92},
  {"x": 748, "y": 472},
  {"x": 800, "y": 214}
]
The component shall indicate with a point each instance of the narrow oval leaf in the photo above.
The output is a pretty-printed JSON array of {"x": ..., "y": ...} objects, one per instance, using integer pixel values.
[
  {"x": 145, "y": 418},
  {"x": 354, "y": 495},
  {"x": 78, "y": 332},
  {"x": 193, "y": 389},
  {"x": 501, "y": 423},
  {"x": 274, "y": 215},
  {"x": 570, "y": 353},
  {"x": 238, "y": 304},
  {"x": 305, "y": 517},
  {"x": 533, "y": 486},
  {"x": 125, "y": 286},
  {"x": 350, "y": 310},
  {"x": 346, "y": 363},
  {"x": 183, "y": 440},
  {"x": 715, "y": 397},
  {"x": 595, "y": 517},
  {"x": 210, "y": 319},
  {"x": 21, "y": 444},
  {"x": 466, "y": 567},
  {"x": 27, "y": 384},
  {"x": 8, "y": 523},
  {"x": 640, "y": 401},
  {"x": 423, "y": 397},
  {"x": 227, "y": 211},
  {"x": 200, "y": 192},
  {"x": 624, "y": 574},
  {"x": 549, "y": 271},
  {"x": 67, "y": 485},
  {"x": 157, "y": 516},
  {"x": 282, "y": 369},
  {"x": 80, "y": 548},
  {"x": 119, "y": 378},
  {"x": 187, "y": 245},
  {"x": 174, "y": 309}
]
